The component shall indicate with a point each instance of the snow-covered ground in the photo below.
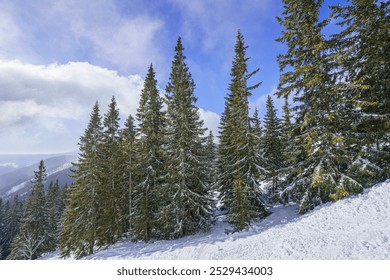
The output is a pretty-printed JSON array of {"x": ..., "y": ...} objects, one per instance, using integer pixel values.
[{"x": 353, "y": 228}]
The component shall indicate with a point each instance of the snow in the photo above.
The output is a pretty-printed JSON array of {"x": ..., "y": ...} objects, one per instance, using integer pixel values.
[
  {"x": 20, "y": 186},
  {"x": 16, "y": 188},
  {"x": 60, "y": 168},
  {"x": 9, "y": 164},
  {"x": 354, "y": 228}
]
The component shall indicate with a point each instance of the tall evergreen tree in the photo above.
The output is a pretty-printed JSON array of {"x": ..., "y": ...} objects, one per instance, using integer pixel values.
[
  {"x": 81, "y": 223},
  {"x": 113, "y": 219},
  {"x": 211, "y": 152},
  {"x": 33, "y": 238},
  {"x": 2, "y": 227},
  {"x": 54, "y": 207},
  {"x": 239, "y": 164},
  {"x": 13, "y": 212},
  {"x": 361, "y": 54},
  {"x": 289, "y": 152},
  {"x": 257, "y": 130},
  {"x": 187, "y": 207},
  {"x": 287, "y": 135},
  {"x": 129, "y": 170},
  {"x": 321, "y": 173},
  {"x": 272, "y": 145},
  {"x": 150, "y": 160}
]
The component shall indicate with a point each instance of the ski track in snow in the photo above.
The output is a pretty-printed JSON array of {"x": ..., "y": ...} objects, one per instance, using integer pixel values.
[{"x": 354, "y": 228}]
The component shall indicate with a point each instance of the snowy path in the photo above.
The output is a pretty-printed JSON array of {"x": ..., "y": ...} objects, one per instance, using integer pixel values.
[{"x": 354, "y": 228}]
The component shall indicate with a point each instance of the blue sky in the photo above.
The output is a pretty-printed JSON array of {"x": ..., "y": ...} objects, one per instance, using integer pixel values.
[{"x": 58, "y": 57}]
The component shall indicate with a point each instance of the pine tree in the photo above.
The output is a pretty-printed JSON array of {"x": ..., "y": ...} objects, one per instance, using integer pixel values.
[
  {"x": 81, "y": 223},
  {"x": 361, "y": 54},
  {"x": 33, "y": 238},
  {"x": 187, "y": 207},
  {"x": 287, "y": 135},
  {"x": 239, "y": 161},
  {"x": 129, "y": 170},
  {"x": 321, "y": 172},
  {"x": 150, "y": 160},
  {"x": 2, "y": 227},
  {"x": 112, "y": 219},
  {"x": 289, "y": 152},
  {"x": 54, "y": 207},
  {"x": 13, "y": 212},
  {"x": 272, "y": 146},
  {"x": 257, "y": 130},
  {"x": 211, "y": 152}
]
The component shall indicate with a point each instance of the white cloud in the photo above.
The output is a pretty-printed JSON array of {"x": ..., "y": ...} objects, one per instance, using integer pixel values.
[
  {"x": 46, "y": 108},
  {"x": 65, "y": 30},
  {"x": 260, "y": 103},
  {"x": 211, "y": 120}
]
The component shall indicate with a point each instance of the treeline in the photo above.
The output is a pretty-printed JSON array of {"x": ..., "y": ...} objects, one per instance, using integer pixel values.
[
  {"x": 30, "y": 227},
  {"x": 161, "y": 179}
]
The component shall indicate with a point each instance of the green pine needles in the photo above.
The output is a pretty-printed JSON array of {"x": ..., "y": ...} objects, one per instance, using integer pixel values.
[{"x": 240, "y": 165}]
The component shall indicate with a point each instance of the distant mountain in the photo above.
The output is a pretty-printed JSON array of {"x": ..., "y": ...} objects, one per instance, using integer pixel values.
[{"x": 18, "y": 179}]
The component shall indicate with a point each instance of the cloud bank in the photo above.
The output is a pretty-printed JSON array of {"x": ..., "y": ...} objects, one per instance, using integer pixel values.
[{"x": 45, "y": 108}]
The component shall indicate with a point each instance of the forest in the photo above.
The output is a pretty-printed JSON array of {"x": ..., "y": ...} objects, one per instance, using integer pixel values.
[{"x": 161, "y": 175}]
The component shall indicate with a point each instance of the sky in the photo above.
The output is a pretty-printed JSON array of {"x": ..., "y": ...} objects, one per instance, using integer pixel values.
[{"x": 58, "y": 57}]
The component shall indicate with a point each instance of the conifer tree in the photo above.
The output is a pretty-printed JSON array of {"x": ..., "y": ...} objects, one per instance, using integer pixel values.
[
  {"x": 150, "y": 160},
  {"x": 112, "y": 218},
  {"x": 287, "y": 135},
  {"x": 289, "y": 152},
  {"x": 81, "y": 221},
  {"x": 54, "y": 207},
  {"x": 33, "y": 238},
  {"x": 187, "y": 202},
  {"x": 361, "y": 54},
  {"x": 211, "y": 152},
  {"x": 321, "y": 173},
  {"x": 257, "y": 130},
  {"x": 129, "y": 170},
  {"x": 2, "y": 227},
  {"x": 272, "y": 146},
  {"x": 13, "y": 212},
  {"x": 239, "y": 162}
]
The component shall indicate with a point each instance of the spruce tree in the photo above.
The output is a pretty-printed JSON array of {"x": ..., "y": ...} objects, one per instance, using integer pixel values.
[
  {"x": 13, "y": 212},
  {"x": 112, "y": 218},
  {"x": 81, "y": 221},
  {"x": 272, "y": 146},
  {"x": 149, "y": 160},
  {"x": 187, "y": 203},
  {"x": 289, "y": 152},
  {"x": 211, "y": 152},
  {"x": 239, "y": 162},
  {"x": 129, "y": 170},
  {"x": 257, "y": 130},
  {"x": 361, "y": 54},
  {"x": 2, "y": 226},
  {"x": 33, "y": 238},
  {"x": 321, "y": 173},
  {"x": 54, "y": 207},
  {"x": 287, "y": 135}
]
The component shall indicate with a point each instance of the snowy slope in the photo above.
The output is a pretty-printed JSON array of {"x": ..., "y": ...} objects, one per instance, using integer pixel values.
[
  {"x": 354, "y": 228},
  {"x": 19, "y": 180}
]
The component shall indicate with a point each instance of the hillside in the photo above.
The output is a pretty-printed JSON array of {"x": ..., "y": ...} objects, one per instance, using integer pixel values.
[
  {"x": 354, "y": 228},
  {"x": 18, "y": 180}
]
